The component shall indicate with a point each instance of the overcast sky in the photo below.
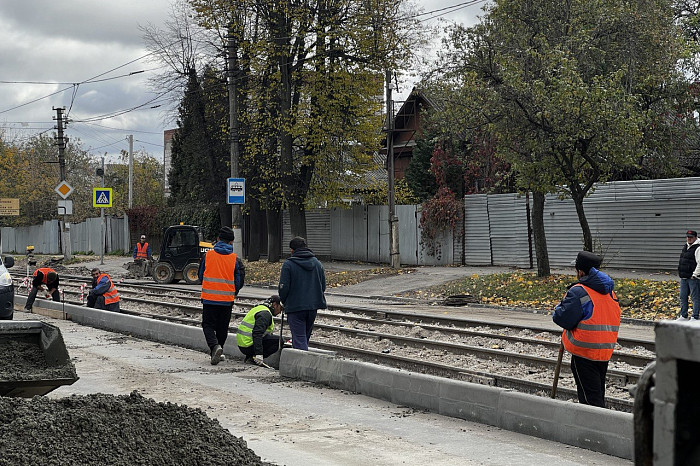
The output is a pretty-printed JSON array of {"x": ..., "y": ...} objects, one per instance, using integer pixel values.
[{"x": 46, "y": 47}]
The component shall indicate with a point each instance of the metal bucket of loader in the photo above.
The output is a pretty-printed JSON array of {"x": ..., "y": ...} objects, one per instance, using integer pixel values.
[{"x": 33, "y": 359}]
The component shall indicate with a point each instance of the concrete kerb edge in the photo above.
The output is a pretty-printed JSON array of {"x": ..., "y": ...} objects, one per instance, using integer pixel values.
[
  {"x": 604, "y": 431},
  {"x": 142, "y": 327}
]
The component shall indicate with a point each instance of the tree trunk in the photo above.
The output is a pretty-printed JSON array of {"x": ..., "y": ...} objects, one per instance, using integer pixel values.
[
  {"x": 224, "y": 214},
  {"x": 274, "y": 235},
  {"x": 583, "y": 221},
  {"x": 538, "y": 232},
  {"x": 297, "y": 220},
  {"x": 257, "y": 227}
]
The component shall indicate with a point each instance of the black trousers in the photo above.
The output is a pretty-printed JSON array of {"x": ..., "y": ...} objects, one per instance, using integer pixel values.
[
  {"x": 590, "y": 380},
  {"x": 56, "y": 296},
  {"x": 270, "y": 343},
  {"x": 215, "y": 321}
]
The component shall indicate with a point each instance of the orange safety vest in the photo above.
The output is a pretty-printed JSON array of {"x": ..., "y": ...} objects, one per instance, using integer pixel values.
[
  {"x": 45, "y": 271},
  {"x": 218, "y": 279},
  {"x": 595, "y": 337},
  {"x": 111, "y": 295},
  {"x": 142, "y": 251}
]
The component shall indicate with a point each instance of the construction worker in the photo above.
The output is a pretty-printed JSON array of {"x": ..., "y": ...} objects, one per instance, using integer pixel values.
[
  {"x": 142, "y": 255},
  {"x": 254, "y": 336},
  {"x": 222, "y": 275},
  {"x": 43, "y": 276},
  {"x": 142, "y": 250},
  {"x": 590, "y": 317},
  {"x": 104, "y": 294}
]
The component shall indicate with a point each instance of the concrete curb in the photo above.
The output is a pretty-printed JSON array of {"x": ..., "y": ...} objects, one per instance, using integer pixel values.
[
  {"x": 596, "y": 429},
  {"x": 161, "y": 331}
]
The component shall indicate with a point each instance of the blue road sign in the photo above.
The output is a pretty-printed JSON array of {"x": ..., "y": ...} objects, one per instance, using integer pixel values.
[{"x": 236, "y": 190}]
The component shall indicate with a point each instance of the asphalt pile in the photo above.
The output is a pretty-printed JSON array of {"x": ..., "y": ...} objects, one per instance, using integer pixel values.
[
  {"x": 102, "y": 429},
  {"x": 23, "y": 360}
]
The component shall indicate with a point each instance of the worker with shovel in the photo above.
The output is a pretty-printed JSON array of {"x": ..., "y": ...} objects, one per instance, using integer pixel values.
[
  {"x": 254, "y": 335},
  {"x": 590, "y": 317}
]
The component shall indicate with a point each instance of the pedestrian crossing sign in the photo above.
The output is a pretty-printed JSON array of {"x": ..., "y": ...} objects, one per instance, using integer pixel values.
[{"x": 102, "y": 197}]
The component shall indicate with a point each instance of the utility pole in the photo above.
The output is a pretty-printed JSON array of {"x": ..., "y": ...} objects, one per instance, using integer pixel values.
[
  {"x": 61, "y": 141},
  {"x": 232, "y": 66},
  {"x": 394, "y": 255},
  {"x": 131, "y": 169},
  {"x": 102, "y": 214}
]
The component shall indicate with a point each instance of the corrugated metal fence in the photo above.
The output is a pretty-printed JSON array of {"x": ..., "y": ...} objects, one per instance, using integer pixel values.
[
  {"x": 635, "y": 224},
  {"x": 85, "y": 237}
]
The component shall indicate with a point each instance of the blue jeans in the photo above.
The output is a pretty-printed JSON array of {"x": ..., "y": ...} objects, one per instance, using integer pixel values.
[
  {"x": 690, "y": 286},
  {"x": 301, "y": 323}
]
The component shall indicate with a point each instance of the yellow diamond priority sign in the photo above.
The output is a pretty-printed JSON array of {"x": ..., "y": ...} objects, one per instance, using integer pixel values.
[
  {"x": 64, "y": 189},
  {"x": 102, "y": 197}
]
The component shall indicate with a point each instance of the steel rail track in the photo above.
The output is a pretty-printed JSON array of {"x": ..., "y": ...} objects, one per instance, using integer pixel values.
[{"x": 632, "y": 359}]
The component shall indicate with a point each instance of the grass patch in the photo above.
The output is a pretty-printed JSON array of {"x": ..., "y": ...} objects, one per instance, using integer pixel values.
[{"x": 641, "y": 299}]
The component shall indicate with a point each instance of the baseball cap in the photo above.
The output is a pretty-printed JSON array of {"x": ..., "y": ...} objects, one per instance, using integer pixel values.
[{"x": 691, "y": 233}]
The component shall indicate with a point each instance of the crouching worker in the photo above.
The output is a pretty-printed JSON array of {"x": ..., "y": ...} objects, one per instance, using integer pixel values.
[
  {"x": 254, "y": 336},
  {"x": 43, "y": 276},
  {"x": 104, "y": 294},
  {"x": 590, "y": 317}
]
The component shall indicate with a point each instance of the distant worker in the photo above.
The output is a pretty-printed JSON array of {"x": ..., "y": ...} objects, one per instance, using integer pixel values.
[
  {"x": 301, "y": 288},
  {"x": 142, "y": 250},
  {"x": 590, "y": 317},
  {"x": 222, "y": 275},
  {"x": 43, "y": 276},
  {"x": 689, "y": 272},
  {"x": 104, "y": 294},
  {"x": 142, "y": 258},
  {"x": 254, "y": 336}
]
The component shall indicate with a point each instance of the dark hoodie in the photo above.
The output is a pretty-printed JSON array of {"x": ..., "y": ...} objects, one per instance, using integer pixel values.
[
  {"x": 302, "y": 282},
  {"x": 577, "y": 305}
]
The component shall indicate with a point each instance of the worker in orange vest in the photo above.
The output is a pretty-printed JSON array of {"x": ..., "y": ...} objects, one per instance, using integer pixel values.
[
  {"x": 104, "y": 294},
  {"x": 590, "y": 317},
  {"x": 222, "y": 274},
  {"x": 43, "y": 276},
  {"x": 142, "y": 250}
]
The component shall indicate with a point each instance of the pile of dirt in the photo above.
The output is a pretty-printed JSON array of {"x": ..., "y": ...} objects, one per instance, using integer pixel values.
[{"x": 104, "y": 429}]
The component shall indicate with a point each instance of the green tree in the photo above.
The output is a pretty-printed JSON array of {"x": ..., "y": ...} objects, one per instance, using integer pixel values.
[{"x": 571, "y": 91}]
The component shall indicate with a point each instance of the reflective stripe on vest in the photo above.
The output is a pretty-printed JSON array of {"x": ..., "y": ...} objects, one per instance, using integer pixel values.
[
  {"x": 244, "y": 336},
  {"x": 45, "y": 271},
  {"x": 595, "y": 337},
  {"x": 111, "y": 295},
  {"x": 142, "y": 252},
  {"x": 218, "y": 279}
]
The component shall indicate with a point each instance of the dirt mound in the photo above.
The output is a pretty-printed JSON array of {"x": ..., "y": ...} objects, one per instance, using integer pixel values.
[{"x": 104, "y": 429}]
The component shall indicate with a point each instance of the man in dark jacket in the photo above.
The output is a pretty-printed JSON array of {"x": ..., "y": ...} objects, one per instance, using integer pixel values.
[
  {"x": 590, "y": 317},
  {"x": 223, "y": 275},
  {"x": 689, "y": 273},
  {"x": 255, "y": 333},
  {"x": 301, "y": 288}
]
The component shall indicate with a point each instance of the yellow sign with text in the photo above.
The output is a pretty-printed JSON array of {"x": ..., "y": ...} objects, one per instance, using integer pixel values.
[{"x": 9, "y": 206}]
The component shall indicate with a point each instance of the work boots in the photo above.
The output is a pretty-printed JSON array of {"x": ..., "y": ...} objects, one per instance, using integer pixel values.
[{"x": 216, "y": 353}]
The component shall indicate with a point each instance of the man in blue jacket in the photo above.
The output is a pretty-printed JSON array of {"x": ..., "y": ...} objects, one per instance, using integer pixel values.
[{"x": 301, "y": 288}]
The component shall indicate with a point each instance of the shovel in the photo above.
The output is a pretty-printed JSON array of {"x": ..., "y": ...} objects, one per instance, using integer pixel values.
[
  {"x": 557, "y": 370},
  {"x": 273, "y": 360}
]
